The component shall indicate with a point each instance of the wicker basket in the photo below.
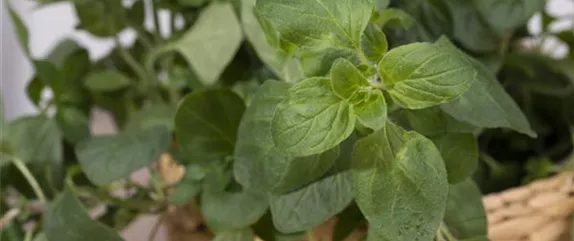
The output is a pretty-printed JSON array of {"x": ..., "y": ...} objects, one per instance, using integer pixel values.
[{"x": 540, "y": 211}]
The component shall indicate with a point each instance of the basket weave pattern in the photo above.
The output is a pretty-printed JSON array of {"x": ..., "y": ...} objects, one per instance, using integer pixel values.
[{"x": 540, "y": 211}]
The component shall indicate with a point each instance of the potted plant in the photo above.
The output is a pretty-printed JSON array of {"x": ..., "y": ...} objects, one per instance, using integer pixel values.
[{"x": 282, "y": 115}]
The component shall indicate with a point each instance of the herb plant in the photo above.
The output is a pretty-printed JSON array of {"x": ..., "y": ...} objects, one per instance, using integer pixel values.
[{"x": 287, "y": 113}]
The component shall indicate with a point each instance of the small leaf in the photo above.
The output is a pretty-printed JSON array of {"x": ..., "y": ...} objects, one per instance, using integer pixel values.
[
  {"x": 184, "y": 192},
  {"x": 394, "y": 18},
  {"x": 258, "y": 164},
  {"x": 232, "y": 210},
  {"x": 312, "y": 119},
  {"x": 317, "y": 61},
  {"x": 34, "y": 90},
  {"x": 460, "y": 154},
  {"x": 508, "y": 15},
  {"x": 153, "y": 115},
  {"x": 245, "y": 234},
  {"x": 74, "y": 123},
  {"x": 212, "y": 42},
  {"x": 433, "y": 121},
  {"x": 347, "y": 80},
  {"x": 67, "y": 220},
  {"x": 486, "y": 104},
  {"x": 311, "y": 206},
  {"x": 374, "y": 43},
  {"x": 465, "y": 217},
  {"x": 308, "y": 23},
  {"x": 420, "y": 75},
  {"x": 62, "y": 51},
  {"x": 203, "y": 133},
  {"x": 372, "y": 111},
  {"x": 20, "y": 28},
  {"x": 106, "y": 80},
  {"x": 400, "y": 184},
  {"x": 102, "y": 18},
  {"x": 105, "y": 159},
  {"x": 470, "y": 29}
]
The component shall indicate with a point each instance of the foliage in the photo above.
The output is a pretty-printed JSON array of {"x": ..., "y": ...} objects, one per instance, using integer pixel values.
[{"x": 288, "y": 113}]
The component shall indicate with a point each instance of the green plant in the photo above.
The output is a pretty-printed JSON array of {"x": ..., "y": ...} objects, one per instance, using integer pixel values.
[{"x": 301, "y": 109}]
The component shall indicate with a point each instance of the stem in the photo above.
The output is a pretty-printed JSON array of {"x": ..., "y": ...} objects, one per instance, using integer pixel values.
[
  {"x": 155, "y": 228},
  {"x": 9, "y": 216},
  {"x": 156, "y": 24},
  {"x": 30, "y": 178},
  {"x": 143, "y": 38},
  {"x": 130, "y": 60},
  {"x": 29, "y": 234}
]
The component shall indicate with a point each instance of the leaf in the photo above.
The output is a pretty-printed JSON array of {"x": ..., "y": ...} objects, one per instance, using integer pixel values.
[
  {"x": 73, "y": 122},
  {"x": 105, "y": 159},
  {"x": 212, "y": 42},
  {"x": 465, "y": 217},
  {"x": 486, "y": 104},
  {"x": 153, "y": 115},
  {"x": 62, "y": 51},
  {"x": 469, "y": 28},
  {"x": 433, "y": 121},
  {"x": 312, "y": 119},
  {"x": 372, "y": 111},
  {"x": 232, "y": 210},
  {"x": 40, "y": 237},
  {"x": 395, "y": 18},
  {"x": 102, "y": 18},
  {"x": 245, "y": 234},
  {"x": 205, "y": 134},
  {"x": 34, "y": 139},
  {"x": 136, "y": 12},
  {"x": 508, "y": 15},
  {"x": 106, "y": 80},
  {"x": 308, "y": 23},
  {"x": 258, "y": 164},
  {"x": 381, "y": 4},
  {"x": 317, "y": 61},
  {"x": 460, "y": 154},
  {"x": 277, "y": 59},
  {"x": 374, "y": 43},
  {"x": 347, "y": 81},
  {"x": 184, "y": 192},
  {"x": 68, "y": 88},
  {"x": 311, "y": 206},
  {"x": 19, "y": 27},
  {"x": 34, "y": 90},
  {"x": 420, "y": 75},
  {"x": 67, "y": 220},
  {"x": 400, "y": 184}
]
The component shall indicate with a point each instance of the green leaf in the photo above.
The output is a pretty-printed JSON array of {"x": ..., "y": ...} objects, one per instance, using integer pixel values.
[
  {"x": 420, "y": 75},
  {"x": 277, "y": 59},
  {"x": 460, "y": 154},
  {"x": 317, "y": 61},
  {"x": 258, "y": 164},
  {"x": 245, "y": 234},
  {"x": 62, "y": 51},
  {"x": 465, "y": 217},
  {"x": 67, "y": 220},
  {"x": 105, "y": 159},
  {"x": 374, "y": 43},
  {"x": 34, "y": 90},
  {"x": 106, "y": 80},
  {"x": 312, "y": 119},
  {"x": 372, "y": 111},
  {"x": 469, "y": 28},
  {"x": 184, "y": 192},
  {"x": 232, "y": 210},
  {"x": 347, "y": 81},
  {"x": 203, "y": 133},
  {"x": 136, "y": 13},
  {"x": 381, "y": 4},
  {"x": 400, "y": 184},
  {"x": 486, "y": 104},
  {"x": 102, "y": 18},
  {"x": 212, "y": 42},
  {"x": 508, "y": 15},
  {"x": 74, "y": 123},
  {"x": 433, "y": 121},
  {"x": 395, "y": 18},
  {"x": 34, "y": 139},
  {"x": 20, "y": 28},
  {"x": 311, "y": 206},
  {"x": 308, "y": 23},
  {"x": 11, "y": 232},
  {"x": 68, "y": 88},
  {"x": 153, "y": 115}
]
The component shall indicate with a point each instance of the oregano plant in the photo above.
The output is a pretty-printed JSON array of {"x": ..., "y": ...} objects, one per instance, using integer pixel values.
[{"x": 285, "y": 114}]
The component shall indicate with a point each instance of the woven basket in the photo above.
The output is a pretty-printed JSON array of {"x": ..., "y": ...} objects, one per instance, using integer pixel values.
[{"x": 540, "y": 211}]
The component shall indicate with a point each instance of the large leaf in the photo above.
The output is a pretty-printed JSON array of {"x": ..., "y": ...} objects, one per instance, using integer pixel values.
[
  {"x": 274, "y": 57},
  {"x": 508, "y": 15},
  {"x": 206, "y": 124},
  {"x": 434, "y": 121},
  {"x": 420, "y": 75},
  {"x": 304, "y": 209},
  {"x": 34, "y": 139},
  {"x": 105, "y": 159},
  {"x": 486, "y": 104},
  {"x": 308, "y": 23},
  {"x": 400, "y": 183},
  {"x": 223, "y": 210},
  {"x": 212, "y": 42},
  {"x": 312, "y": 119},
  {"x": 67, "y": 220},
  {"x": 460, "y": 154},
  {"x": 465, "y": 217},
  {"x": 258, "y": 164},
  {"x": 245, "y": 234},
  {"x": 469, "y": 28}
]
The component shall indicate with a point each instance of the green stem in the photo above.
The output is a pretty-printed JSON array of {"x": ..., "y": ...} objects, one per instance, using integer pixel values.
[
  {"x": 143, "y": 38},
  {"x": 444, "y": 231},
  {"x": 30, "y": 178},
  {"x": 130, "y": 60},
  {"x": 156, "y": 24},
  {"x": 29, "y": 234}
]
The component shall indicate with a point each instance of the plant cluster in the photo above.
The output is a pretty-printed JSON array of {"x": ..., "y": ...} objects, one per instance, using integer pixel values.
[{"x": 287, "y": 113}]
